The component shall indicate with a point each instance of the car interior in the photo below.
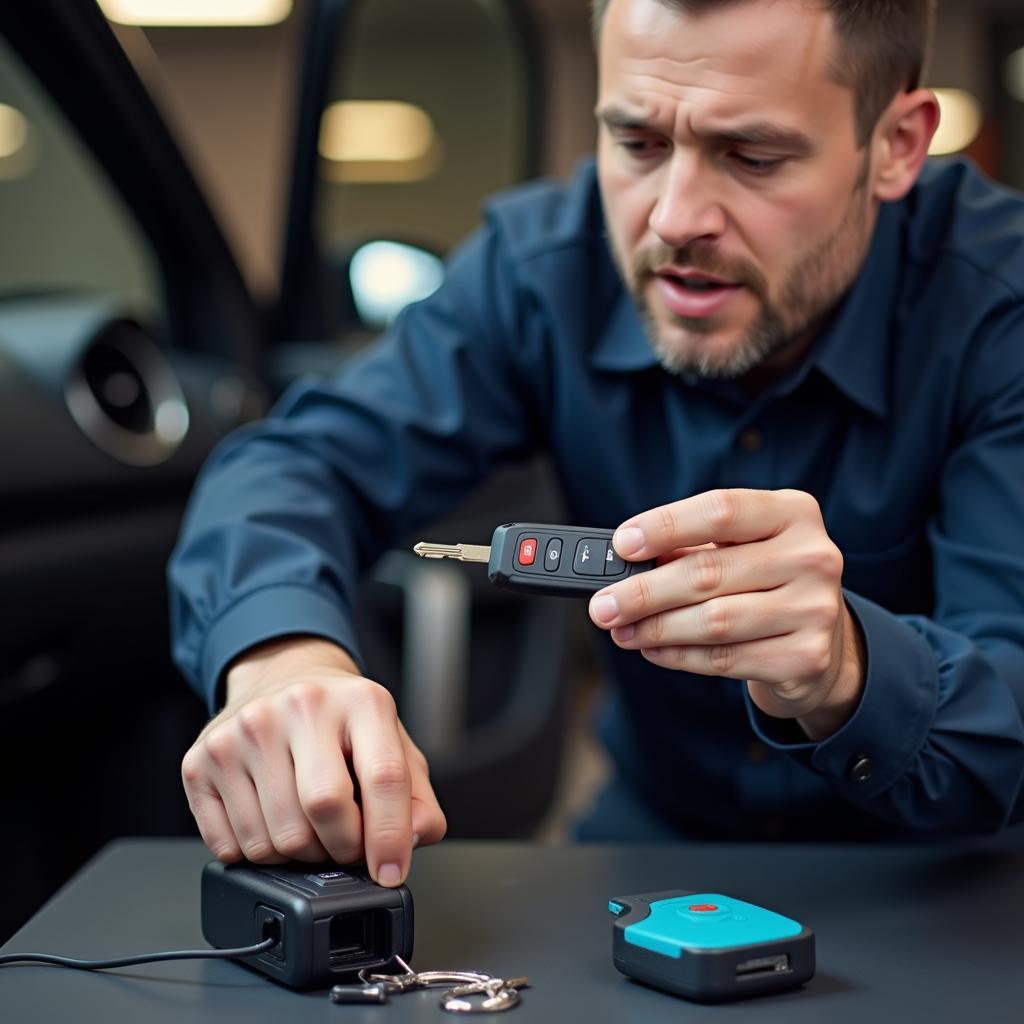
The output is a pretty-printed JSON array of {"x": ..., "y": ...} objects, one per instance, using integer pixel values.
[{"x": 193, "y": 218}]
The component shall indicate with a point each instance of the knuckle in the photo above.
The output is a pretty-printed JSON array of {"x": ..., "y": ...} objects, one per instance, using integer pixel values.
[
  {"x": 639, "y": 591},
  {"x": 255, "y": 720},
  {"x": 834, "y": 564},
  {"x": 226, "y": 852},
  {"x": 305, "y": 698},
  {"x": 258, "y": 850},
  {"x": 347, "y": 853},
  {"x": 720, "y": 509},
  {"x": 220, "y": 746},
  {"x": 665, "y": 523},
  {"x": 292, "y": 842},
  {"x": 654, "y": 628},
  {"x": 815, "y": 657},
  {"x": 192, "y": 773},
  {"x": 379, "y": 700},
  {"x": 705, "y": 569},
  {"x": 390, "y": 832},
  {"x": 390, "y": 774},
  {"x": 324, "y": 802},
  {"x": 818, "y": 560},
  {"x": 721, "y": 658},
  {"x": 716, "y": 623},
  {"x": 437, "y": 825},
  {"x": 800, "y": 502}
]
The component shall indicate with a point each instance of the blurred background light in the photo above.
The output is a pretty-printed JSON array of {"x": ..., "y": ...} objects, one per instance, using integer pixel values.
[
  {"x": 15, "y": 143},
  {"x": 959, "y": 123},
  {"x": 13, "y": 131},
  {"x": 387, "y": 276},
  {"x": 196, "y": 12},
  {"x": 1013, "y": 74},
  {"x": 378, "y": 141}
]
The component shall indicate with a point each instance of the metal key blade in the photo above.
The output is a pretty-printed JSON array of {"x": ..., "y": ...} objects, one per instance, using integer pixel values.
[{"x": 460, "y": 552}]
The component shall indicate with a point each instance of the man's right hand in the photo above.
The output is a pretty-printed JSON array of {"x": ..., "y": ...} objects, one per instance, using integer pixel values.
[{"x": 308, "y": 761}]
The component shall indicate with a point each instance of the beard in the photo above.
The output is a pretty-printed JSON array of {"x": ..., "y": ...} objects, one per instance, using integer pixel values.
[{"x": 811, "y": 289}]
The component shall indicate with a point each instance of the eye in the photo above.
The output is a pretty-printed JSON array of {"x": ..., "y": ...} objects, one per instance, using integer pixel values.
[
  {"x": 758, "y": 165},
  {"x": 639, "y": 147}
]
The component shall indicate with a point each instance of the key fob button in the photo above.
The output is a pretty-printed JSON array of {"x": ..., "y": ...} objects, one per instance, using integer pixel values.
[
  {"x": 613, "y": 565},
  {"x": 553, "y": 555},
  {"x": 589, "y": 560},
  {"x": 527, "y": 553}
]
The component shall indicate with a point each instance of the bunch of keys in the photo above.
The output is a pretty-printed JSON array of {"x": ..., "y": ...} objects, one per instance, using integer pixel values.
[{"x": 498, "y": 993}]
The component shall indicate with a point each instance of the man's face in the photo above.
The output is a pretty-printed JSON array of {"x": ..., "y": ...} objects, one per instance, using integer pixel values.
[{"x": 738, "y": 205}]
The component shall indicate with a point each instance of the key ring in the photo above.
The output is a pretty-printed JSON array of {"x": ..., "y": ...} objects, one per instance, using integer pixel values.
[
  {"x": 499, "y": 996},
  {"x": 409, "y": 979}
]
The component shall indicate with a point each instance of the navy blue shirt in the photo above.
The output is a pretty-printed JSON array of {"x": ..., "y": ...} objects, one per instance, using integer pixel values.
[{"x": 905, "y": 421}]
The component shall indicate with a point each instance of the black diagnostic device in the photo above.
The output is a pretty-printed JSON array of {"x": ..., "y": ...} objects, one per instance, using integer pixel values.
[
  {"x": 707, "y": 946},
  {"x": 571, "y": 561},
  {"x": 331, "y": 922}
]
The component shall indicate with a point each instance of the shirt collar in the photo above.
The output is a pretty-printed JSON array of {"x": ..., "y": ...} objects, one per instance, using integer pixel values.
[{"x": 852, "y": 351}]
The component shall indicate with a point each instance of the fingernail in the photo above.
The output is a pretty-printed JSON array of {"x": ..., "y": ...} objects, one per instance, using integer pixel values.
[
  {"x": 629, "y": 540},
  {"x": 623, "y": 634},
  {"x": 415, "y": 840},
  {"x": 389, "y": 874},
  {"x": 605, "y": 608}
]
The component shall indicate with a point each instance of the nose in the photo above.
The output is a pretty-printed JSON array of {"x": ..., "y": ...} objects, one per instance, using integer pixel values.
[{"x": 687, "y": 208}]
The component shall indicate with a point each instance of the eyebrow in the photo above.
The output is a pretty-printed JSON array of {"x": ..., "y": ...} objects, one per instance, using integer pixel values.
[{"x": 754, "y": 133}]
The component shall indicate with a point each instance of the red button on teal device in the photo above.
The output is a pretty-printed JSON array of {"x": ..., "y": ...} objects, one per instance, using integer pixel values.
[
  {"x": 703, "y": 908},
  {"x": 527, "y": 550}
]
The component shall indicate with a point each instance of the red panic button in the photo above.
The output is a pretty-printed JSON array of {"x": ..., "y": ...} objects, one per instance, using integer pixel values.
[
  {"x": 527, "y": 551},
  {"x": 702, "y": 908}
]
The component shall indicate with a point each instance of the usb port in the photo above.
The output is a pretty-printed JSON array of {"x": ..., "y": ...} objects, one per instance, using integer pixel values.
[{"x": 763, "y": 965}]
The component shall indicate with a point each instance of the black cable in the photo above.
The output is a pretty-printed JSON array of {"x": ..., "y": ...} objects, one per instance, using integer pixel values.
[{"x": 131, "y": 961}]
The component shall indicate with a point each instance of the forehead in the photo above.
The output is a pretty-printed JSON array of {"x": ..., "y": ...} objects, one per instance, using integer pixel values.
[{"x": 769, "y": 57}]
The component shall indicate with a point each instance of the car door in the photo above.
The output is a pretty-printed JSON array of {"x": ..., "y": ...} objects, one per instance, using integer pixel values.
[
  {"x": 410, "y": 115},
  {"x": 128, "y": 347}
]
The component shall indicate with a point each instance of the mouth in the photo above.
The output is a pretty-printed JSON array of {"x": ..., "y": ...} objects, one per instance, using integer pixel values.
[{"x": 694, "y": 293}]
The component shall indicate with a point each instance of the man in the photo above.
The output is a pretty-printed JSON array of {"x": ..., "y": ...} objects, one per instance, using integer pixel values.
[{"x": 798, "y": 382}]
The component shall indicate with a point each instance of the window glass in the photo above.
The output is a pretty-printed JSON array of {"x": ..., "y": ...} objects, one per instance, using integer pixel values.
[
  {"x": 64, "y": 227},
  {"x": 426, "y": 115}
]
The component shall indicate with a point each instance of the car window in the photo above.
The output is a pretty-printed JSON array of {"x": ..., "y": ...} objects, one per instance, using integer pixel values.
[
  {"x": 427, "y": 113},
  {"x": 64, "y": 228}
]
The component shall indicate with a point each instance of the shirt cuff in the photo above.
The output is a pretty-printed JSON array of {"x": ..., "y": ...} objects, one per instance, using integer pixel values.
[
  {"x": 891, "y": 722},
  {"x": 275, "y": 611}
]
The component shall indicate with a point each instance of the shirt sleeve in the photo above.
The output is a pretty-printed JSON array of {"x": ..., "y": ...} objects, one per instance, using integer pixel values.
[
  {"x": 937, "y": 741},
  {"x": 289, "y": 511}
]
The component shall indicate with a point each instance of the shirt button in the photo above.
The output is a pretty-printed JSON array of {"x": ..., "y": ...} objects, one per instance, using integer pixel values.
[
  {"x": 751, "y": 441},
  {"x": 861, "y": 768}
]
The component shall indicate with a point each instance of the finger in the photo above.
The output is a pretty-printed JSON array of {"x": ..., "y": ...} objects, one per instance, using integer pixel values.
[
  {"x": 208, "y": 810},
  {"x": 770, "y": 660},
  {"x": 734, "y": 515},
  {"x": 689, "y": 580},
  {"x": 291, "y": 832},
  {"x": 721, "y": 620},
  {"x": 325, "y": 788},
  {"x": 428, "y": 820},
  {"x": 241, "y": 804},
  {"x": 385, "y": 786}
]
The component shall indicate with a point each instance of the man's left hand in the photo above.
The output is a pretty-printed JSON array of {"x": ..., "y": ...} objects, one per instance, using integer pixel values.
[{"x": 748, "y": 586}]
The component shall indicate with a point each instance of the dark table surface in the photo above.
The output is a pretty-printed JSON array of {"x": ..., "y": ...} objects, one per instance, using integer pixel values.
[{"x": 903, "y": 934}]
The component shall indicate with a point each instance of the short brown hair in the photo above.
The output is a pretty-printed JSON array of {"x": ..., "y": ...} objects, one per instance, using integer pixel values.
[{"x": 884, "y": 45}]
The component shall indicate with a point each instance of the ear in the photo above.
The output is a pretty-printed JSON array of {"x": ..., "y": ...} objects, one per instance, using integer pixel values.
[{"x": 901, "y": 140}]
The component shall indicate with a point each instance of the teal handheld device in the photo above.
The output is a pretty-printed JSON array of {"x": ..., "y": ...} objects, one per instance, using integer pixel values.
[{"x": 707, "y": 946}]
